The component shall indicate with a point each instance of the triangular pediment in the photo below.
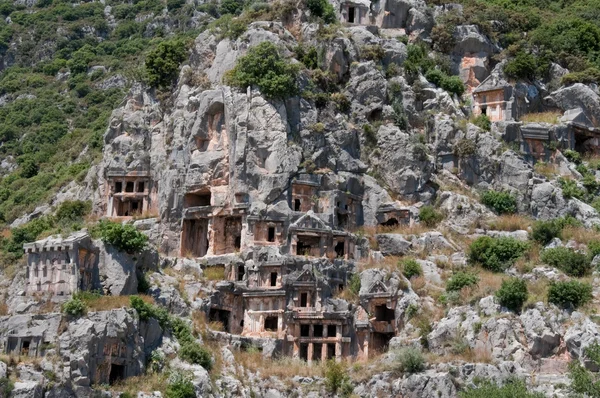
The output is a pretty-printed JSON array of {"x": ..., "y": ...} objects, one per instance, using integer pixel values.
[
  {"x": 378, "y": 287},
  {"x": 306, "y": 276},
  {"x": 310, "y": 221}
]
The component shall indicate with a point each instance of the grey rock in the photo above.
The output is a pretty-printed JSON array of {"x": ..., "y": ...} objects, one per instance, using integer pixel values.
[
  {"x": 393, "y": 244},
  {"x": 27, "y": 389}
]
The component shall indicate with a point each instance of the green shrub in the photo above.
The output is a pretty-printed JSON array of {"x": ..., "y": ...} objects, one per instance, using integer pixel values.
[
  {"x": 372, "y": 52},
  {"x": 570, "y": 189},
  {"x": 409, "y": 360},
  {"x": 429, "y": 216},
  {"x": 593, "y": 249},
  {"x": 452, "y": 84},
  {"x": 147, "y": 311},
  {"x": 322, "y": 9},
  {"x": 6, "y": 387},
  {"x": 568, "y": 260},
  {"x": 262, "y": 66},
  {"x": 180, "y": 387},
  {"x": 523, "y": 65},
  {"x": 124, "y": 237},
  {"x": 193, "y": 352},
  {"x": 500, "y": 202},
  {"x": 572, "y": 156},
  {"x": 162, "y": 63},
  {"x": 336, "y": 378},
  {"x": 569, "y": 294},
  {"x": 308, "y": 56},
  {"x": 410, "y": 268},
  {"x": 461, "y": 279},
  {"x": 496, "y": 254},
  {"x": 483, "y": 122},
  {"x": 584, "y": 381},
  {"x": 74, "y": 307},
  {"x": 512, "y": 389},
  {"x": 229, "y": 26},
  {"x": 354, "y": 283},
  {"x": 233, "y": 7},
  {"x": 72, "y": 210},
  {"x": 512, "y": 294},
  {"x": 465, "y": 147},
  {"x": 543, "y": 231},
  {"x": 590, "y": 75}
]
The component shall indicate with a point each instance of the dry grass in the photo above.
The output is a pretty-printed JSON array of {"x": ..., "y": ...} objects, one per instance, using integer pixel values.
[
  {"x": 489, "y": 282},
  {"x": 3, "y": 308},
  {"x": 215, "y": 273},
  {"x": 146, "y": 214},
  {"x": 538, "y": 291},
  {"x": 477, "y": 355},
  {"x": 147, "y": 383},
  {"x": 548, "y": 170},
  {"x": 105, "y": 303},
  {"x": 541, "y": 117},
  {"x": 12, "y": 360},
  {"x": 530, "y": 259},
  {"x": 511, "y": 222},
  {"x": 580, "y": 234},
  {"x": 282, "y": 368}
]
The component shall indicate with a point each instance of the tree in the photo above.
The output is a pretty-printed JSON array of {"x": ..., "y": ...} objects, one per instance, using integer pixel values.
[
  {"x": 582, "y": 380},
  {"x": 162, "y": 63}
]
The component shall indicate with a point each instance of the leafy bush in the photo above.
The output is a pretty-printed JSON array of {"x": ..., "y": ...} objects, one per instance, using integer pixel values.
[
  {"x": 429, "y": 216},
  {"x": 590, "y": 75},
  {"x": 500, "y": 202},
  {"x": 336, "y": 378},
  {"x": 233, "y": 7},
  {"x": 523, "y": 65},
  {"x": 496, "y": 254},
  {"x": 568, "y": 260},
  {"x": 180, "y": 387},
  {"x": 572, "y": 156},
  {"x": 544, "y": 231},
  {"x": 354, "y": 283},
  {"x": 570, "y": 189},
  {"x": 461, "y": 279},
  {"x": 124, "y": 237},
  {"x": 74, "y": 307},
  {"x": 193, "y": 352},
  {"x": 512, "y": 294},
  {"x": 264, "y": 67},
  {"x": 483, "y": 122},
  {"x": 6, "y": 387},
  {"x": 162, "y": 63},
  {"x": 569, "y": 294},
  {"x": 322, "y": 9},
  {"x": 583, "y": 381},
  {"x": 72, "y": 210},
  {"x": 452, "y": 84},
  {"x": 147, "y": 311},
  {"x": 512, "y": 389},
  {"x": 409, "y": 360},
  {"x": 410, "y": 268}
]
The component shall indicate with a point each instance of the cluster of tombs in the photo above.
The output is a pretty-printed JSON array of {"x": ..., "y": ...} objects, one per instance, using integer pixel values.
[{"x": 294, "y": 301}]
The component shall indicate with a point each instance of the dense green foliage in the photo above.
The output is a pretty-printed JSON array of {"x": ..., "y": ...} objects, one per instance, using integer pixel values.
[
  {"x": 500, "y": 202},
  {"x": 483, "y": 122},
  {"x": 193, "y": 352},
  {"x": 496, "y": 254},
  {"x": 162, "y": 63},
  {"x": 512, "y": 389},
  {"x": 180, "y": 387},
  {"x": 74, "y": 307},
  {"x": 584, "y": 381},
  {"x": 263, "y": 67},
  {"x": 461, "y": 279},
  {"x": 570, "y": 293},
  {"x": 6, "y": 386},
  {"x": 147, "y": 311},
  {"x": 354, "y": 283},
  {"x": 430, "y": 216},
  {"x": 322, "y": 9},
  {"x": 543, "y": 231},
  {"x": 410, "y": 268},
  {"x": 571, "y": 262},
  {"x": 337, "y": 380},
  {"x": 124, "y": 237},
  {"x": 409, "y": 360},
  {"x": 512, "y": 294}
]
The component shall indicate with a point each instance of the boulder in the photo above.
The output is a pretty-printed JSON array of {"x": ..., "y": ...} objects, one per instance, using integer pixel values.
[
  {"x": 393, "y": 244},
  {"x": 117, "y": 270}
]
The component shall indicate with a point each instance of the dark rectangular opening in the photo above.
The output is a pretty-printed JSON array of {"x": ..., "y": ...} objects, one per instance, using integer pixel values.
[
  {"x": 197, "y": 199},
  {"x": 117, "y": 372},
  {"x": 304, "y": 330},
  {"x": 383, "y": 313},
  {"x": 135, "y": 206},
  {"x": 331, "y": 330},
  {"x": 25, "y": 348},
  {"x": 296, "y": 204},
  {"x": 342, "y": 220},
  {"x": 241, "y": 272},
  {"x": 391, "y": 222},
  {"x": 351, "y": 11},
  {"x": 318, "y": 330},
  {"x": 304, "y": 351},
  {"x": 317, "y": 351},
  {"x": 303, "y": 299},
  {"x": 271, "y": 324},
  {"x": 141, "y": 186},
  {"x": 330, "y": 351},
  {"x": 271, "y": 234},
  {"x": 381, "y": 341},
  {"x": 222, "y": 316},
  {"x": 118, "y": 186},
  {"x": 273, "y": 278},
  {"x": 339, "y": 249},
  {"x": 129, "y": 186}
]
